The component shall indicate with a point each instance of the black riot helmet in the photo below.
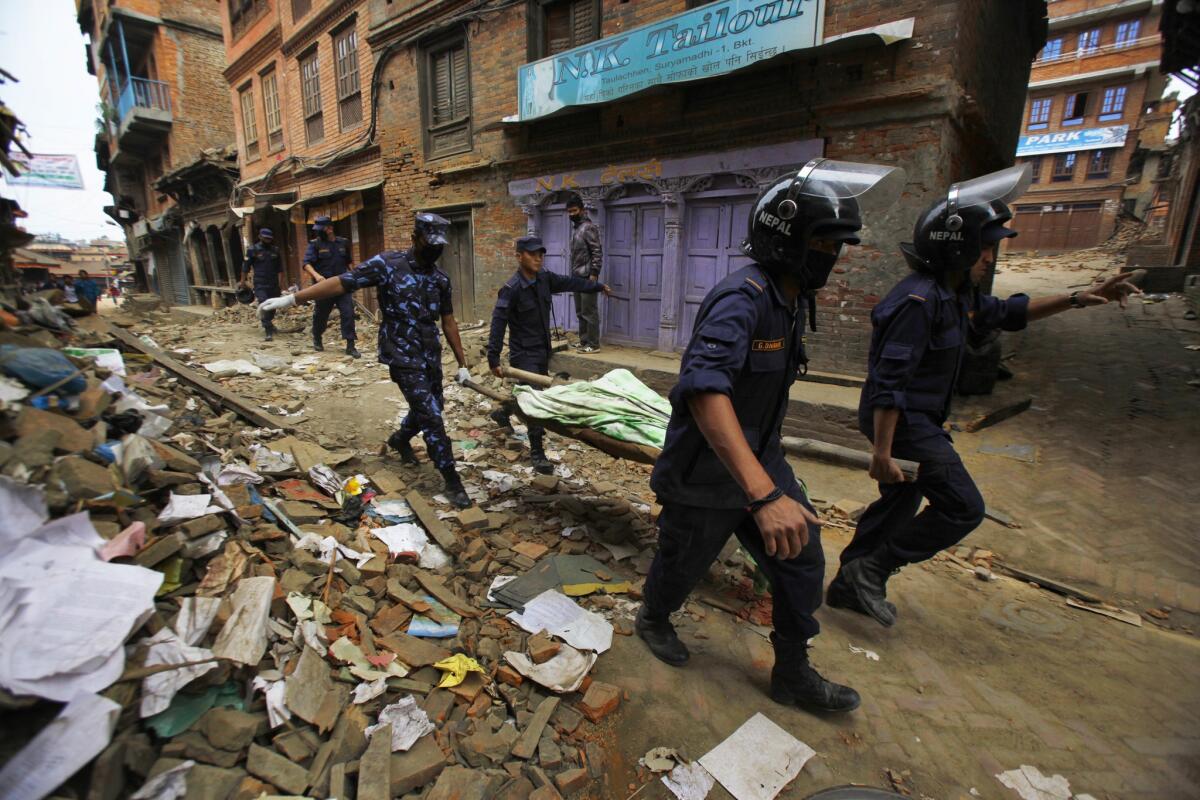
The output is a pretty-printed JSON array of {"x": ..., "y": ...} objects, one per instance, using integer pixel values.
[
  {"x": 951, "y": 234},
  {"x": 824, "y": 199}
]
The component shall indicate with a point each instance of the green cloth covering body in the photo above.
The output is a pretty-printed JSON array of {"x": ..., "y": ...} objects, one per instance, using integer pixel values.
[{"x": 616, "y": 404}]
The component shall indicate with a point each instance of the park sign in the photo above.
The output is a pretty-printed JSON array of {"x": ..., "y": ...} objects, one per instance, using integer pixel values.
[
  {"x": 715, "y": 39},
  {"x": 52, "y": 171},
  {"x": 1039, "y": 144}
]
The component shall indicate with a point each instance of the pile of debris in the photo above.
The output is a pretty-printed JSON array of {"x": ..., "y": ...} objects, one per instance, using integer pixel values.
[{"x": 200, "y": 607}]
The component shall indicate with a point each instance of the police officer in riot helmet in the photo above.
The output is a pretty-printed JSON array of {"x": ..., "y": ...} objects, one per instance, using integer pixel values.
[
  {"x": 722, "y": 467},
  {"x": 915, "y": 356}
]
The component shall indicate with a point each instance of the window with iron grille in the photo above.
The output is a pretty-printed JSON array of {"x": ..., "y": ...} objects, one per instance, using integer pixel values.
[
  {"x": 1035, "y": 168},
  {"x": 1113, "y": 105},
  {"x": 243, "y": 14},
  {"x": 1052, "y": 51},
  {"x": 300, "y": 8},
  {"x": 1064, "y": 167},
  {"x": 310, "y": 89},
  {"x": 273, "y": 117},
  {"x": 1127, "y": 33},
  {"x": 249, "y": 123},
  {"x": 1089, "y": 41},
  {"x": 1075, "y": 108},
  {"x": 558, "y": 25},
  {"x": 345, "y": 53},
  {"x": 447, "y": 99},
  {"x": 1099, "y": 164},
  {"x": 1039, "y": 113}
]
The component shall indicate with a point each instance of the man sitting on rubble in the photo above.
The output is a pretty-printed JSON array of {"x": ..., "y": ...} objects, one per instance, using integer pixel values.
[
  {"x": 414, "y": 295},
  {"x": 523, "y": 308},
  {"x": 913, "y": 365},
  {"x": 722, "y": 469}
]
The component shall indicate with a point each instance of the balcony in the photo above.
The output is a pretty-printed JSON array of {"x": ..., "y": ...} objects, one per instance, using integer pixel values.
[{"x": 144, "y": 117}]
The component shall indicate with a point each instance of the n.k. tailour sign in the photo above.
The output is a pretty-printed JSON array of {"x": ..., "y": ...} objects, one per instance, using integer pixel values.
[{"x": 712, "y": 40}]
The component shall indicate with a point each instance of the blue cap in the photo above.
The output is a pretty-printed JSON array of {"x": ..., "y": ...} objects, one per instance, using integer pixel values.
[
  {"x": 995, "y": 232},
  {"x": 321, "y": 223},
  {"x": 265, "y": 233},
  {"x": 431, "y": 227},
  {"x": 530, "y": 244}
]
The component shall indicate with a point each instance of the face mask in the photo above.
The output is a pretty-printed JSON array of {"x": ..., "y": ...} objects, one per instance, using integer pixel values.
[
  {"x": 817, "y": 266},
  {"x": 431, "y": 252}
]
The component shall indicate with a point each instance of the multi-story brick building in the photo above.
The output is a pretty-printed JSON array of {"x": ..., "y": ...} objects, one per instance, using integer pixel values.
[
  {"x": 159, "y": 65},
  {"x": 669, "y": 151},
  {"x": 299, "y": 79},
  {"x": 1090, "y": 91}
]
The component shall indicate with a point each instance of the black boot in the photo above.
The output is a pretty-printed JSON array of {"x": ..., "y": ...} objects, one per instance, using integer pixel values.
[
  {"x": 455, "y": 492},
  {"x": 317, "y": 345},
  {"x": 840, "y": 595},
  {"x": 403, "y": 448},
  {"x": 659, "y": 635},
  {"x": 351, "y": 350},
  {"x": 270, "y": 335},
  {"x": 541, "y": 464},
  {"x": 867, "y": 578},
  {"x": 795, "y": 682},
  {"x": 500, "y": 418}
]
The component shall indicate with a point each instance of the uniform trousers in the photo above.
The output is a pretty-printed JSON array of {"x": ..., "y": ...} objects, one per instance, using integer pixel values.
[
  {"x": 422, "y": 390},
  {"x": 323, "y": 308},
  {"x": 262, "y": 293}
]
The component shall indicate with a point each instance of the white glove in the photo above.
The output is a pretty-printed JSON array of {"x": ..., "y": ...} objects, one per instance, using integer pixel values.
[
  {"x": 276, "y": 304},
  {"x": 463, "y": 376}
]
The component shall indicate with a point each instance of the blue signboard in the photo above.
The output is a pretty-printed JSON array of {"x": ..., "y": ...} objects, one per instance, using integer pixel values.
[
  {"x": 715, "y": 39},
  {"x": 1038, "y": 144}
]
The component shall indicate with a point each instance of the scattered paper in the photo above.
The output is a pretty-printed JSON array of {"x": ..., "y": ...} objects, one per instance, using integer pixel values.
[
  {"x": 758, "y": 760},
  {"x": 236, "y": 366},
  {"x": 306, "y": 608},
  {"x": 77, "y": 735},
  {"x": 126, "y": 543},
  {"x": 1106, "y": 610},
  {"x": 408, "y": 720},
  {"x": 196, "y": 616},
  {"x": 369, "y": 691},
  {"x": 165, "y": 647},
  {"x": 497, "y": 582},
  {"x": 409, "y": 538},
  {"x": 327, "y": 547},
  {"x": 325, "y": 478},
  {"x": 23, "y": 509},
  {"x": 237, "y": 472},
  {"x": 562, "y": 673},
  {"x": 554, "y": 612},
  {"x": 271, "y": 461},
  {"x": 244, "y": 637},
  {"x": 168, "y": 785},
  {"x": 689, "y": 782},
  {"x": 182, "y": 507},
  {"x": 361, "y": 666},
  {"x": 1031, "y": 784},
  {"x": 661, "y": 759},
  {"x": 275, "y": 693},
  {"x": 500, "y": 481},
  {"x": 859, "y": 651},
  {"x": 205, "y": 545},
  {"x": 455, "y": 669}
]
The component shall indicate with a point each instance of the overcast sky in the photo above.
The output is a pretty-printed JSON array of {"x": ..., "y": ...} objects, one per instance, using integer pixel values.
[{"x": 40, "y": 44}]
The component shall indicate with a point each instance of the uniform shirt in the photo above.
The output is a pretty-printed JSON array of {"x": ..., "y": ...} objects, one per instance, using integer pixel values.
[
  {"x": 523, "y": 308},
  {"x": 585, "y": 249},
  {"x": 412, "y": 300},
  {"x": 87, "y": 289},
  {"x": 747, "y": 343},
  {"x": 917, "y": 339},
  {"x": 329, "y": 259},
  {"x": 264, "y": 261}
]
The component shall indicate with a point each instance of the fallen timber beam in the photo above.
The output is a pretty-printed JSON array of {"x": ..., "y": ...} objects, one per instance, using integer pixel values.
[{"x": 219, "y": 393}]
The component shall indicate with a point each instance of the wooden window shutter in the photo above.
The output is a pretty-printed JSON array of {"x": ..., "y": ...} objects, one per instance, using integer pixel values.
[
  {"x": 583, "y": 22},
  {"x": 461, "y": 93}
]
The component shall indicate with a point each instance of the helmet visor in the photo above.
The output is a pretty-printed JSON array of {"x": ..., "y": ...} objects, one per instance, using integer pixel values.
[
  {"x": 872, "y": 186},
  {"x": 1006, "y": 185}
]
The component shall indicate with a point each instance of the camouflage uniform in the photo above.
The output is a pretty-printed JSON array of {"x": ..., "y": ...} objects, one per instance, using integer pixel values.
[{"x": 412, "y": 301}]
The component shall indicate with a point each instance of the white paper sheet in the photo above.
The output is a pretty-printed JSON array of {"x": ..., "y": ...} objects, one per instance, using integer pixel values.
[
  {"x": 182, "y": 507},
  {"x": 77, "y": 735},
  {"x": 23, "y": 509},
  {"x": 237, "y": 472},
  {"x": 554, "y": 612},
  {"x": 408, "y": 720},
  {"x": 1031, "y": 784},
  {"x": 562, "y": 673},
  {"x": 326, "y": 547},
  {"x": 689, "y": 781},
  {"x": 165, "y": 647},
  {"x": 196, "y": 615},
  {"x": 168, "y": 785},
  {"x": 758, "y": 760},
  {"x": 369, "y": 690},
  {"x": 275, "y": 693},
  {"x": 239, "y": 365},
  {"x": 244, "y": 637}
]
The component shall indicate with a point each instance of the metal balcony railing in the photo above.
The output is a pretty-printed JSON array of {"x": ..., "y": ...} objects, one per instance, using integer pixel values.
[
  {"x": 143, "y": 93},
  {"x": 1077, "y": 54}
]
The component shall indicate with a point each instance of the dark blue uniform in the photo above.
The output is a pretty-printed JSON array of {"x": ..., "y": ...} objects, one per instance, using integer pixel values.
[
  {"x": 264, "y": 262},
  {"x": 523, "y": 309},
  {"x": 748, "y": 344},
  {"x": 331, "y": 259},
  {"x": 413, "y": 301},
  {"x": 916, "y": 351}
]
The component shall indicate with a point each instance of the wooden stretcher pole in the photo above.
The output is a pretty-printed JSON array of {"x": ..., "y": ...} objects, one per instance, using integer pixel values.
[
  {"x": 532, "y": 378},
  {"x": 839, "y": 455}
]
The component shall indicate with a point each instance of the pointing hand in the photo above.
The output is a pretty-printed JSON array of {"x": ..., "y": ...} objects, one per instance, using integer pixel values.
[{"x": 276, "y": 304}]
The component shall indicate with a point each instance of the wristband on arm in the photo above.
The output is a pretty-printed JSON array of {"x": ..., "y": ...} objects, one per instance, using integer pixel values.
[{"x": 754, "y": 505}]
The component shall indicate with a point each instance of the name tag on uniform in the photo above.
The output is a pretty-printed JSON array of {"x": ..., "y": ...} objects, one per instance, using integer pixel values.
[{"x": 766, "y": 345}]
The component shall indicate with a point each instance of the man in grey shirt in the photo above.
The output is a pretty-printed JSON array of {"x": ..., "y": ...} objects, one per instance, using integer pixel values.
[{"x": 585, "y": 263}]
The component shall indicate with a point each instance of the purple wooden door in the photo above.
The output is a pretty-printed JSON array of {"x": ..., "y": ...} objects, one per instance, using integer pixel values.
[
  {"x": 713, "y": 234},
  {"x": 633, "y": 270},
  {"x": 555, "y": 232}
]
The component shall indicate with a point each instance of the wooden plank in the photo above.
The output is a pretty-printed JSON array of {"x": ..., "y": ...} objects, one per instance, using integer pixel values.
[
  {"x": 1058, "y": 587},
  {"x": 842, "y": 456},
  {"x": 990, "y": 418},
  {"x": 222, "y": 395},
  {"x": 526, "y": 746},
  {"x": 429, "y": 518}
]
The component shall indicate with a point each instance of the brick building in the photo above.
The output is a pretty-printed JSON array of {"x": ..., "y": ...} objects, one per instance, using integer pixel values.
[
  {"x": 669, "y": 170},
  {"x": 299, "y": 80},
  {"x": 1090, "y": 92},
  {"x": 164, "y": 103}
]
